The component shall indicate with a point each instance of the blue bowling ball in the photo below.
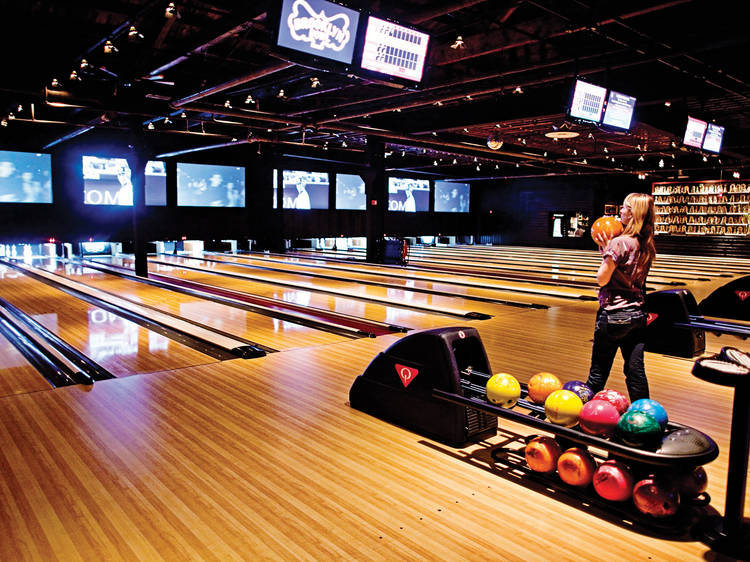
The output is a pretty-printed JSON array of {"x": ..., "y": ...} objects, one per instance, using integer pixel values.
[
  {"x": 581, "y": 389},
  {"x": 651, "y": 407}
]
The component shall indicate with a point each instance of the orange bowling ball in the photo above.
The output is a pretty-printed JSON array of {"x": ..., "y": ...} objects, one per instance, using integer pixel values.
[
  {"x": 542, "y": 454},
  {"x": 610, "y": 226},
  {"x": 542, "y": 385},
  {"x": 576, "y": 467}
]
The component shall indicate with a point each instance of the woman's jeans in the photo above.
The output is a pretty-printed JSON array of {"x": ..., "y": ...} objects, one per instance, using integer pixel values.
[{"x": 622, "y": 329}]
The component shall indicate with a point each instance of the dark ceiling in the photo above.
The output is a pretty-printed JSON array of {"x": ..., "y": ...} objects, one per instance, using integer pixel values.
[{"x": 209, "y": 76}]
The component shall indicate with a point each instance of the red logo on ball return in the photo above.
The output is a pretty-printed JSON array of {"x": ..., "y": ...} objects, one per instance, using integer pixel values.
[
  {"x": 406, "y": 374},
  {"x": 742, "y": 295}
]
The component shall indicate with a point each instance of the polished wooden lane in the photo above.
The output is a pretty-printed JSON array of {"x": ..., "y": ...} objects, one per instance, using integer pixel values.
[
  {"x": 264, "y": 459},
  {"x": 452, "y": 280},
  {"x": 17, "y": 375},
  {"x": 261, "y": 329},
  {"x": 120, "y": 346},
  {"x": 372, "y": 302}
]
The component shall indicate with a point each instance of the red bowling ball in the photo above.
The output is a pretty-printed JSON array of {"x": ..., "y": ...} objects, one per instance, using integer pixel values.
[
  {"x": 598, "y": 417},
  {"x": 657, "y": 497},
  {"x": 617, "y": 399},
  {"x": 613, "y": 481}
]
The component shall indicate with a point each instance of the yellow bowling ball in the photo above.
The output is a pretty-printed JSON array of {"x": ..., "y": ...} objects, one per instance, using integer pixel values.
[
  {"x": 503, "y": 389},
  {"x": 563, "y": 407}
]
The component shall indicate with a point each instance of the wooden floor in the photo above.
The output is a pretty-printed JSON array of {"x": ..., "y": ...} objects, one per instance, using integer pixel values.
[{"x": 265, "y": 459}]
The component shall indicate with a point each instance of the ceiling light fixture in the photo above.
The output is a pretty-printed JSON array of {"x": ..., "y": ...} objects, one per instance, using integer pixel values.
[
  {"x": 281, "y": 94},
  {"x": 667, "y": 103},
  {"x": 343, "y": 144},
  {"x": 228, "y": 104},
  {"x": 494, "y": 142},
  {"x": 74, "y": 75},
  {"x": 314, "y": 82},
  {"x": 133, "y": 34},
  {"x": 661, "y": 162},
  {"x": 458, "y": 43},
  {"x": 249, "y": 99},
  {"x": 518, "y": 90},
  {"x": 109, "y": 47},
  {"x": 171, "y": 11},
  {"x": 641, "y": 158},
  {"x": 150, "y": 126},
  {"x": 559, "y": 134},
  {"x": 736, "y": 175}
]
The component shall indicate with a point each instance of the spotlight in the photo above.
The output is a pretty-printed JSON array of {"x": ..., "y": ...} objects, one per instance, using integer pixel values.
[
  {"x": 438, "y": 103},
  {"x": 736, "y": 175},
  {"x": 518, "y": 90},
  {"x": 458, "y": 43},
  {"x": 705, "y": 158},
  {"x": 74, "y": 76},
  {"x": 661, "y": 162},
  {"x": 343, "y": 144},
  {"x": 228, "y": 104},
  {"x": 171, "y": 11},
  {"x": 434, "y": 162},
  {"x": 183, "y": 115},
  {"x": 55, "y": 83},
  {"x": 281, "y": 95},
  {"x": 314, "y": 82},
  {"x": 667, "y": 103},
  {"x": 640, "y": 158},
  {"x": 150, "y": 126},
  {"x": 84, "y": 64},
  {"x": 249, "y": 99},
  {"x": 456, "y": 162},
  {"x": 133, "y": 34},
  {"x": 479, "y": 167},
  {"x": 494, "y": 142},
  {"x": 109, "y": 48},
  {"x": 4, "y": 123}
]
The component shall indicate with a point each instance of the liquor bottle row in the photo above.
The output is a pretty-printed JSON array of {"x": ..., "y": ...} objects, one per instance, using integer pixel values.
[
  {"x": 700, "y": 188},
  {"x": 701, "y": 219},
  {"x": 684, "y": 229}
]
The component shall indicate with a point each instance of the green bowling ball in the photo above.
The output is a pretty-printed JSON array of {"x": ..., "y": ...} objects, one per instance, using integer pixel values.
[{"x": 638, "y": 429}]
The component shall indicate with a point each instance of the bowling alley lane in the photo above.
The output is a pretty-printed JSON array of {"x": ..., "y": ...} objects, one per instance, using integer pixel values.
[
  {"x": 119, "y": 345},
  {"x": 17, "y": 375},
  {"x": 521, "y": 291},
  {"x": 393, "y": 305},
  {"x": 269, "y": 332}
]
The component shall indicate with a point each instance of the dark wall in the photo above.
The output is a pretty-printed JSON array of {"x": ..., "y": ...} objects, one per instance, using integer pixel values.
[{"x": 519, "y": 211}]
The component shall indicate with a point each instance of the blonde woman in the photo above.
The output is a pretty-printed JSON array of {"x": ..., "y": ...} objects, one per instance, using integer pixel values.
[{"x": 621, "y": 319}]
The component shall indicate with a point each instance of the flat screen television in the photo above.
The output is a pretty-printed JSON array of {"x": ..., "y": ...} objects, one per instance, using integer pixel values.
[
  {"x": 694, "y": 132},
  {"x": 619, "y": 110},
  {"x": 107, "y": 181},
  {"x": 713, "y": 138},
  {"x": 305, "y": 190},
  {"x": 25, "y": 177},
  {"x": 394, "y": 50},
  {"x": 587, "y": 102},
  {"x": 452, "y": 197},
  {"x": 408, "y": 195},
  {"x": 210, "y": 185},
  {"x": 318, "y": 28},
  {"x": 350, "y": 192}
]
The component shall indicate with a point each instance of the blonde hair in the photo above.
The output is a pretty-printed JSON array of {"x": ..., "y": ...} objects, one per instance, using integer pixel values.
[{"x": 641, "y": 227}]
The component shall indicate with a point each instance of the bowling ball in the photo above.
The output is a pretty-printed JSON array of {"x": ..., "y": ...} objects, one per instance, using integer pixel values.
[
  {"x": 610, "y": 226},
  {"x": 613, "y": 481},
  {"x": 598, "y": 417},
  {"x": 503, "y": 389},
  {"x": 617, "y": 399},
  {"x": 685, "y": 441},
  {"x": 576, "y": 467},
  {"x": 542, "y": 385},
  {"x": 651, "y": 407},
  {"x": 638, "y": 429},
  {"x": 581, "y": 389},
  {"x": 562, "y": 407},
  {"x": 656, "y": 496},
  {"x": 542, "y": 454},
  {"x": 691, "y": 483}
]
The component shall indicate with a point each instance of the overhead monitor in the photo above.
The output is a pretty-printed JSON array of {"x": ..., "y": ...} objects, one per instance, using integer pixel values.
[
  {"x": 210, "y": 185},
  {"x": 25, "y": 177},
  {"x": 318, "y": 28},
  {"x": 619, "y": 110},
  {"x": 408, "y": 195},
  {"x": 588, "y": 102},
  {"x": 107, "y": 181},
  {"x": 305, "y": 190},
  {"x": 452, "y": 197},
  {"x": 694, "y": 132},
  {"x": 393, "y": 49},
  {"x": 350, "y": 192},
  {"x": 713, "y": 137}
]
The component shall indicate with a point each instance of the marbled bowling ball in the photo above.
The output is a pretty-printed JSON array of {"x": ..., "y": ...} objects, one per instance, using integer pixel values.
[
  {"x": 651, "y": 407},
  {"x": 581, "y": 389},
  {"x": 617, "y": 399},
  {"x": 562, "y": 407},
  {"x": 610, "y": 226},
  {"x": 684, "y": 441},
  {"x": 542, "y": 385},
  {"x": 638, "y": 429}
]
